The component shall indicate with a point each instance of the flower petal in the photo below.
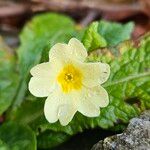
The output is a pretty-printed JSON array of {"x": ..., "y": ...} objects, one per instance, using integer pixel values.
[
  {"x": 99, "y": 96},
  {"x": 95, "y": 73},
  {"x": 59, "y": 106},
  {"x": 78, "y": 50},
  {"x": 91, "y": 99},
  {"x": 85, "y": 105},
  {"x": 88, "y": 109},
  {"x": 63, "y": 52},
  {"x": 51, "y": 109},
  {"x": 66, "y": 113},
  {"x": 41, "y": 87},
  {"x": 59, "y": 52},
  {"x": 42, "y": 70}
]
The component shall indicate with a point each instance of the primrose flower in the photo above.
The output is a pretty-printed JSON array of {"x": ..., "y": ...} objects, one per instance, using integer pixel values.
[{"x": 69, "y": 83}]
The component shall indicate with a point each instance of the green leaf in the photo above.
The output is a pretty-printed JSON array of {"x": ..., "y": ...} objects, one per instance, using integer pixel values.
[
  {"x": 17, "y": 137},
  {"x": 8, "y": 76},
  {"x": 106, "y": 34},
  {"x": 51, "y": 139},
  {"x": 3, "y": 146},
  {"x": 35, "y": 118},
  {"x": 32, "y": 116},
  {"x": 129, "y": 92},
  {"x": 42, "y": 32},
  {"x": 114, "y": 33},
  {"x": 92, "y": 39},
  {"x": 131, "y": 76}
]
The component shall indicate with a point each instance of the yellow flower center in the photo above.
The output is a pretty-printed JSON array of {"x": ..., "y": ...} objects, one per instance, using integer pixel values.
[{"x": 70, "y": 78}]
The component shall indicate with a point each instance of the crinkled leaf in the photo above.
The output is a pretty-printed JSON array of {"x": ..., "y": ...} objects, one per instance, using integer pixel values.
[
  {"x": 37, "y": 37},
  {"x": 92, "y": 39},
  {"x": 114, "y": 33},
  {"x": 131, "y": 78},
  {"x": 106, "y": 34},
  {"x": 129, "y": 92},
  {"x": 8, "y": 76},
  {"x": 17, "y": 137}
]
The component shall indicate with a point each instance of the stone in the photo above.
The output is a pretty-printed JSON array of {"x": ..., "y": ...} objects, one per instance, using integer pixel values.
[{"x": 135, "y": 137}]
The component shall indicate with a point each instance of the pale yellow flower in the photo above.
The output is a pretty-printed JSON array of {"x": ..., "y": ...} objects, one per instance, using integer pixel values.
[{"x": 69, "y": 83}]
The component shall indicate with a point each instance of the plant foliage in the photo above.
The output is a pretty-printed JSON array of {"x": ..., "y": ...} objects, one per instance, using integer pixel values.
[{"x": 128, "y": 85}]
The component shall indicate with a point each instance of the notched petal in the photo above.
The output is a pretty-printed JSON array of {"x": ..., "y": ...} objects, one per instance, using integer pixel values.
[
  {"x": 78, "y": 50},
  {"x": 40, "y": 87},
  {"x": 66, "y": 113},
  {"x": 95, "y": 73},
  {"x": 58, "y": 51},
  {"x": 51, "y": 109},
  {"x": 99, "y": 96},
  {"x": 41, "y": 70},
  {"x": 104, "y": 72}
]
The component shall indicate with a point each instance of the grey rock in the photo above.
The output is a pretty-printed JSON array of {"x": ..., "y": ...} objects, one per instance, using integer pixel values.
[{"x": 135, "y": 137}]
